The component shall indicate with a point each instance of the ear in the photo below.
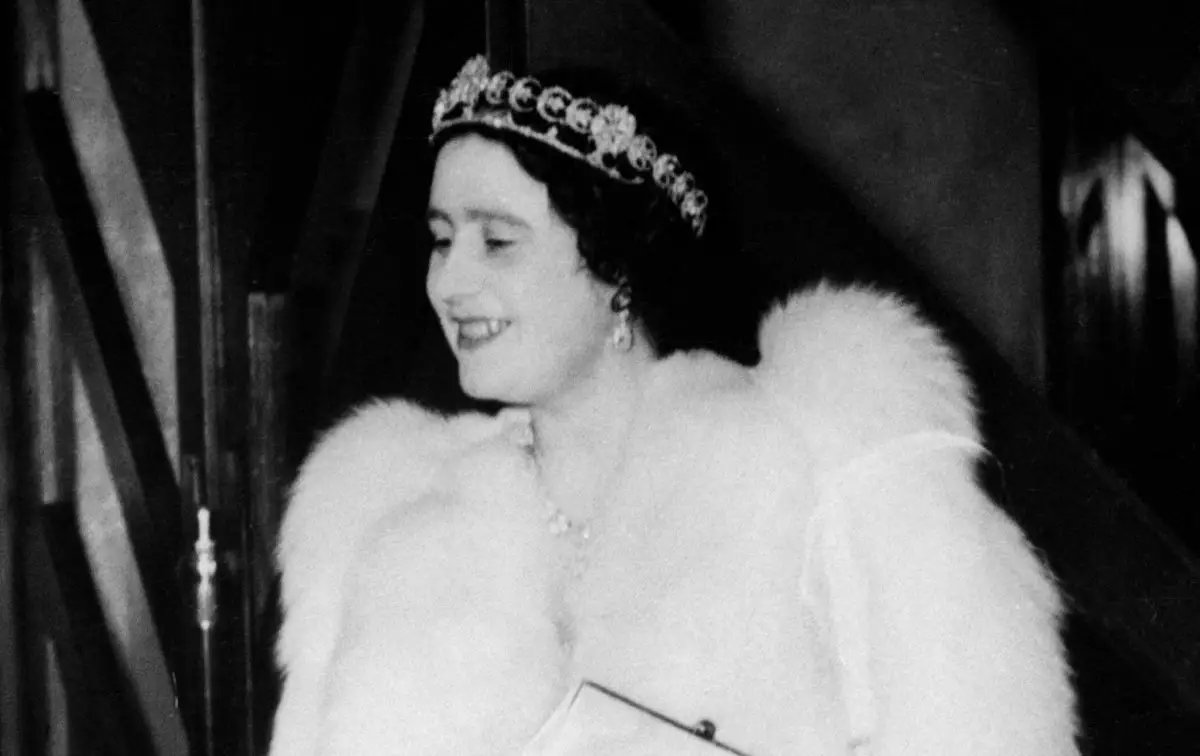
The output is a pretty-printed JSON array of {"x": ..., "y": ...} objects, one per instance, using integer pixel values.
[{"x": 621, "y": 296}]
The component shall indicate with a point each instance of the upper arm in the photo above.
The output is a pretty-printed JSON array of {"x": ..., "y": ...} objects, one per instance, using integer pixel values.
[{"x": 944, "y": 621}]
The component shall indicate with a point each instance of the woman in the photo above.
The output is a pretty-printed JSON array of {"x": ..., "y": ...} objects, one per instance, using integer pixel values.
[{"x": 796, "y": 552}]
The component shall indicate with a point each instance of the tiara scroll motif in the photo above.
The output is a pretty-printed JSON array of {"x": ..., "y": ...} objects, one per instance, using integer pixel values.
[{"x": 604, "y": 136}]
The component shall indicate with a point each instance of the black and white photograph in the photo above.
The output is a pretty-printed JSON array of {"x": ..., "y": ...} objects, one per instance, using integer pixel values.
[{"x": 599, "y": 378}]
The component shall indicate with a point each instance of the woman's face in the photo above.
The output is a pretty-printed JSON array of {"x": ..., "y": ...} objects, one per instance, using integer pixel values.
[{"x": 523, "y": 315}]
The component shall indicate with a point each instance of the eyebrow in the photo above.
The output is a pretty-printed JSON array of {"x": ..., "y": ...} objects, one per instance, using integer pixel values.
[{"x": 480, "y": 214}]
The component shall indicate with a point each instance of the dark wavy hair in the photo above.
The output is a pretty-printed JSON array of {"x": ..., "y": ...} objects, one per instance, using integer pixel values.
[{"x": 687, "y": 292}]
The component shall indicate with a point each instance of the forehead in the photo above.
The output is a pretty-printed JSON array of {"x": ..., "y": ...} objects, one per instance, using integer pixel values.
[{"x": 476, "y": 173}]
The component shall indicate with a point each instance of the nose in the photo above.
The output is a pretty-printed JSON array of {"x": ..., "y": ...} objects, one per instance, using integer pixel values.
[{"x": 454, "y": 274}]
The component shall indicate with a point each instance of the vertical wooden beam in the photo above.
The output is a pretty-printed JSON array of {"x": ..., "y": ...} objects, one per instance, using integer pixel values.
[
  {"x": 267, "y": 484},
  {"x": 14, "y": 697},
  {"x": 268, "y": 438},
  {"x": 11, "y": 620},
  {"x": 220, "y": 700},
  {"x": 208, "y": 267},
  {"x": 204, "y": 470}
]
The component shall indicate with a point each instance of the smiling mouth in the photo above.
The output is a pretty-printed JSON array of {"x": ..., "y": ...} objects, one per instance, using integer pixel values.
[{"x": 474, "y": 333}]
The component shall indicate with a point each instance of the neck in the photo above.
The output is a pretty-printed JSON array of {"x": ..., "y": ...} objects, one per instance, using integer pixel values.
[{"x": 580, "y": 437}]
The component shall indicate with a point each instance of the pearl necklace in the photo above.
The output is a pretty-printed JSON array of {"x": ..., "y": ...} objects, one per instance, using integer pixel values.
[{"x": 558, "y": 522}]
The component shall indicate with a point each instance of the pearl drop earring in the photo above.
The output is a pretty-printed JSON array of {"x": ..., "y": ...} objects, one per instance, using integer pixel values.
[{"x": 622, "y": 335}]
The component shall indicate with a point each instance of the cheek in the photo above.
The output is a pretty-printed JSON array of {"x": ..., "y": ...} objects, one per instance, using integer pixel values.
[
  {"x": 431, "y": 273},
  {"x": 438, "y": 308},
  {"x": 431, "y": 282},
  {"x": 574, "y": 323}
]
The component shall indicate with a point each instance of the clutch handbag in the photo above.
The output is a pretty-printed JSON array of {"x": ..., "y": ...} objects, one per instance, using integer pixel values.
[{"x": 593, "y": 720}]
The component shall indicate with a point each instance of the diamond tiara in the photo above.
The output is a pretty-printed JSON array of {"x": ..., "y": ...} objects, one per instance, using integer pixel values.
[{"x": 604, "y": 136}]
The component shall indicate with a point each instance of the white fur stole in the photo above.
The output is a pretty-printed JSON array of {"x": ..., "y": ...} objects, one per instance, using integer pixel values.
[{"x": 408, "y": 535}]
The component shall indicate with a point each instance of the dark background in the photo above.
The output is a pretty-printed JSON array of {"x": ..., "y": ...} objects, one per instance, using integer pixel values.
[{"x": 916, "y": 144}]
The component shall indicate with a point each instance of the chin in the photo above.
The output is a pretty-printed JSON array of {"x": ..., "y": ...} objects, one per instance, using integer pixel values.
[
  {"x": 508, "y": 377},
  {"x": 488, "y": 386}
]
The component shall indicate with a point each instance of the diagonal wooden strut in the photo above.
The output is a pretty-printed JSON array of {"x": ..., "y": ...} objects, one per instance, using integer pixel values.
[{"x": 106, "y": 352}]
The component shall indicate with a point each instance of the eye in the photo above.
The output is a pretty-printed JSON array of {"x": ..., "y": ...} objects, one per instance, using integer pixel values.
[
  {"x": 497, "y": 244},
  {"x": 439, "y": 234},
  {"x": 438, "y": 245}
]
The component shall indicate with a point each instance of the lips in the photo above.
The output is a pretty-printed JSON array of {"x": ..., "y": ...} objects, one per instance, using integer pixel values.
[{"x": 474, "y": 333}]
